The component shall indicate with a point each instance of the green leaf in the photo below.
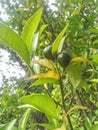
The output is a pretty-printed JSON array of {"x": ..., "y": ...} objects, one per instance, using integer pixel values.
[
  {"x": 44, "y": 81},
  {"x": 43, "y": 27},
  {"x": 57, "y": 41},
  {"x": 42, "y": 103},
  {"x": 95, "y": 58},
  {"x": 23, "y": 120},
  {"x": 13, "y": 40},
  {"x": 34, "y": 43},
  {"x": 74, "y": 74},
  {"x": 94, "y": 127},
  {"x": 62, "y": 127},
  {"x": 48, "y": 126},
  {"x": 75, "y": 108},
  {"x": 30, "y": 28},
  {"x": 94, "y": 80},
  {"x": 9, "y": 126},
  {"x": 88, "y": 123}
]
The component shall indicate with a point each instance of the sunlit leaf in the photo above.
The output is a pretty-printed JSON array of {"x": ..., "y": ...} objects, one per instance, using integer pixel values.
[
  {"x": 74, "y": 74},
  {"x": 44, "y": 81},
  {"x": 62, "y": 128},
  {"x": 94, "y": 127},
  {"x": 77, "y": 11},
  {"x": 30, "y": 28},
  {"x": 9, "y": 126},
  {"x": 13, "y": 40},
  {"x": 23, "y": 120},
  {"x": 49, "y": 74},
  {"x": 61, "y": 45},
  {"x": 43, "y": 103},
  {"x": 57, "y": 41},
  {"x": 43, "y": 62},
  {"x": 48, "y": 126},
  {"x": 43, "y": 27},
  {"x": 34, "y": 43},
  {"x": 95, "y": 58},
  {"x": 94, "y": 80},
  {"x": 93, "y": 31}
]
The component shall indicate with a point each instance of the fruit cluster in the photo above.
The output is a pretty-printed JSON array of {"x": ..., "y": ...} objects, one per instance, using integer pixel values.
[{"x": 63, "y": 58}]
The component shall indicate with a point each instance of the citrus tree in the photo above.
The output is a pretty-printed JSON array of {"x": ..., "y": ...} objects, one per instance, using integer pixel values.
[{"x": 66, "y": 69}]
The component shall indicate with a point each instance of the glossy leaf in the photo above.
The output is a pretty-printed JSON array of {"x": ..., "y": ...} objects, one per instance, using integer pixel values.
[
  {"x": 49, "y": 74},
  {"x": 42, "y": 103},
  {"x": 61, "y": 45},
  {"x": 23, "y": 120},
  {"x": 57, "y": 41},
  {"x": 30, "y": 28},
  {"x": 74, "y": 74},
  {"x": 34, "y": 43},
  {"x": 9, "y": 126},
  {"x": 44, "y": 81},
  {"x": 14, "y": 41}
]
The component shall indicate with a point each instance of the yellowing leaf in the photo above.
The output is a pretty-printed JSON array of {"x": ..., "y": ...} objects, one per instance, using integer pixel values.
[
  {"x": 43, "y": 62},
  {"x": 49, "y": 74}
]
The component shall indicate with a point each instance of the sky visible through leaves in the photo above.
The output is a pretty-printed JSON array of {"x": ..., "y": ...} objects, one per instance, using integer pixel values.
[{"x": 8, "y": 68}]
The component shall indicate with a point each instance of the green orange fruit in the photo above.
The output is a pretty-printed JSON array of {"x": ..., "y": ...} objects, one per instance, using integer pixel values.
[
  {"x": 47, "y": 52},
  {"x": 64, "y": 58}
]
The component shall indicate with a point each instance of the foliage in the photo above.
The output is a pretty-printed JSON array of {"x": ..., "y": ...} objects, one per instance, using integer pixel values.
[{"x": 71, "y": 91}]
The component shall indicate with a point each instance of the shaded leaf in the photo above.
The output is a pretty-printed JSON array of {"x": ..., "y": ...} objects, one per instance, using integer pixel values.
[
  {"x": 81, "y": 59},
  {"x": 74, "y": 74},
  {"x": 43, "y": 62},
  {"x": 30, "y": 28},
  {"x": 13, "y": 40},
  {"x": 9, "y": 126},
  {"x": 43, "y": 103},
  {"x": 88, "y": 123},
  {"x": 75, "y": 108},
  {"x": 49, "y": 74},
  {"x": 44, "y": 81},
  {"x": 57, "y": 41},
  {"x": 23, "y": 120}
]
